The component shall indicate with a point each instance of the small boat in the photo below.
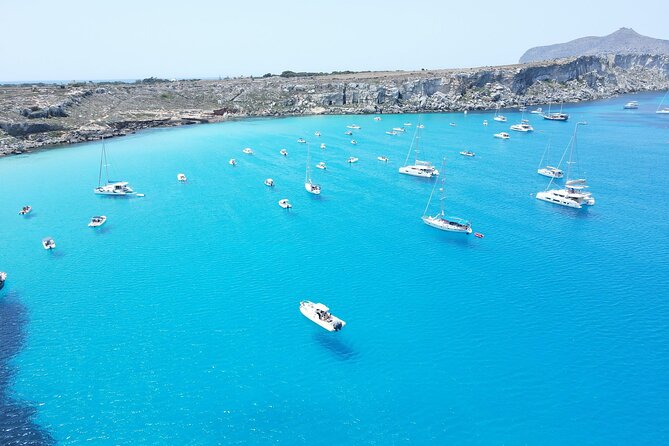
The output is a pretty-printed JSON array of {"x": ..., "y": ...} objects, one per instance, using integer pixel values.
[
  {"x": 48, "y": 243},
  {"x": 3, "y": 277},
  {"x": 467, "y": 153},
  {"x": 317, "y": 133},
  {"x": 353, "y": 126},
  {"x": 269, "y": 182},
  {"x": 283, "y": 152},
  {"x": 485, "y": 122},
  {"x": 181, "y": 178},
  {"x": 301, "y": 140},
  {"x": 232, "y": 162},
  {"x": 407, "y": 124},
  {"x": 631, "y": 105},
  {"x": 382, "y": 158},
  {"x": 321, "y": 165},
  {"x": 284, "y": 203},
  {"x": 421, "y": 126},
  {"x": 352, "y": 160},
  {"x": 377, "y": 118},
  {"x": 140, "y": 195},
  {"x": 323, "y": 146},
  {"x": 248, "y": 151},
  {"x": 478, "y": 235},
  {"x": 522, "y": 108},
  {"x": 502, "y": 135},
  {"x": 348, "y": 133},
  {"x": 452, "y": 124},
  {"x": 96, "y": 221},
  {"x": 320, "y": 314},
  {"x": 391, "y": 132},
  {"x": 354, "y": 142},
  {"x": 398, "y": 129},
  {"x": 537, "y": 111},
  {"x": 25, "y": 210},
  {"x": 309, "y": 186}
]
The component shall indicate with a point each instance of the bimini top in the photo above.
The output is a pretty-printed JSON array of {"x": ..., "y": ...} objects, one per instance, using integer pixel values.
[{"x": 321, "y": 307}]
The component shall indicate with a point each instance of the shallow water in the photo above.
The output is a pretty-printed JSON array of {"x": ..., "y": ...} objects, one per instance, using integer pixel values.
[{"x": 178, "y": 322}]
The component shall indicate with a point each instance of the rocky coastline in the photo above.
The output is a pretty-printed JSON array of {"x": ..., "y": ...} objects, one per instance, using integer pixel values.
[{"x": 40, "y": 116}]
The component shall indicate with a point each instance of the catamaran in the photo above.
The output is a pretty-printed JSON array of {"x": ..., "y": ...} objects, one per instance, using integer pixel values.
[
  {"x": 419, "y": 168},
  {"x": 439, "y": 220},
  {"x": 574, "y": 194},
  {"x": 117, "y": 188},
  {"x": 308, "y": 184}
]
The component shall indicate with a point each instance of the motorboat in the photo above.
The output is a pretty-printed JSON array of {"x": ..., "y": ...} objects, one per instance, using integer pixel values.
[
  {"x": 574, "y": 194},
  {"x": 353, "y": 126},
  {"x": 283, "y": 152},
  {"x": 440, "y": 220},
  {"x": 502, "y": 135},
  {"x": 182, "y": 178},
  {"x": 452, "y": 124},
  {"x": 3, "y": 278},
  {"x": 631, "y": 105},
  {"x": 248, "y": 151},
  {"x": 419, "y": 168},
  {"x": 551, "y": 172},
  {"x": 382, "y": 158},
  {"x": 232, "y": 162},
  {"x": 320, "y": 314},
  {"x": 391, "y": 132},
  {"x": 284, "y": 203},
  {"x": 269, "y": 182},
  {"x": 398, "y": 129},
  {"x": 48, "y": 243},
  {"x": 301, "y": 140},
  {"x": 377, "y": 118},
  {"x": 113, "y": 188},
  {"x": 537, "y": 111},
  {"x": 317, "y": 133},
  {"x": 407, "y": 124},
  {"x": 352, "y": 160},
  {"x": 485, "y": 122},
  {"x": 467, "y": 153},
  {"x": 354, "y": 142},
  {"x": 96, "y": 221},
  {"x": 348, "y": 133},
  {"x": 323, "y": 146},
  {"x": 421, "y": 126},
  {"x": 321, "y": 165},
  {"x": 25, "y": 210}
]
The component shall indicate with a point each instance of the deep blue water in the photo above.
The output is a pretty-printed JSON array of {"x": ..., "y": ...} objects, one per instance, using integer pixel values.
[{"x": 177, "y": 322}]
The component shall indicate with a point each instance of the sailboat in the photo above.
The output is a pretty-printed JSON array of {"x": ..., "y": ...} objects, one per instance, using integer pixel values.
[
  {"x": 549, "y": 171},
  {"x": 439, "y": 220},
  {"x": 498, "y": 117},
  {"x": 660, "y": 109},
  {"x": 308, "y": 184},
  {"x": 118, "y": 188},
  {"x": 574, "y": 194},
  {"x": 556, "y": 116},
  {"x": 418, "y": 168}
]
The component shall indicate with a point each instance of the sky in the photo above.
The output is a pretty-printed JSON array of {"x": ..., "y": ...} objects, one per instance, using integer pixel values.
[{"x": 122, "y": 39}]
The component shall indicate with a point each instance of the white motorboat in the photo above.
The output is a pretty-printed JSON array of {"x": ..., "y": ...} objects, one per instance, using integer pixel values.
[
  {"x": 377, "y": 118},
  {"x": 485, "y": 122},
  {"x": 352, "y": 126},
  {"x": 48, "y": 243},
  {"x": 96, "y": 221},
  {"x": 354, "y": 142},
  {"x": 421, "y": 126},
  {"x": 631, "y": 105},
  {"x": 323, "y": 146},
  {"x": 248, "y": 151},
  {"x": 284, "y": 203},
  {"x": 440, "y": 220},
  {"x": 551, "y": 172},
  {"x": 321, "y": 165},
  {"x": 391, "y": 132},
  {"x": 269, "y": 182},
  {"x": 573, "y": 195},
  {"x": 398, "y": 129},
  {"x": 310, "y": 186},
  {"x": 25, "y": 210},
  {"x": 182, "y": 178},
  {"x": 114, "y": 188},
  {"x": 232, "y": 162},
  {"x": 537, "y": 111},
  {"x": 352, "y": 160},
  {"x": 382, "y": 158},
  {"x": 419, "y": 168},
  {"x": 502, "y": 135},
  {"x": 317, "y": 133},
  {"x": 301, "y": 140},
  {"x": 320, "y": 314},
  {"x": 407, "y": 124},
  {"x": 452, "y": 124},
  {"x": 467, "y": 153},
  {"x": 3, "y": 277},
  {"x": 283, "y": 152},
  {"x": 348, "y": 133}
]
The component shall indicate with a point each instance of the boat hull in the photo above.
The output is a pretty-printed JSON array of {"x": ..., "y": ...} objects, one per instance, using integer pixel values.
[
  {"x": 417, "y": 172},
  {"x": 446, "y": 226},
  {"x": 312, "y": 188}
]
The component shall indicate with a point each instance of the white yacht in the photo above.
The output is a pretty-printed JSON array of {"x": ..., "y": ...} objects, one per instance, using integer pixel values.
[
  {"x": 320, "y": 314},
  {"x": 498, "y": 117},
  {"x": 419, "y": 168},
  {"x": 248, "y": 151},
  {"x": 283, "y": 152},
  {"x": 321, "y": 165},
  {"x": 524, "y": 126},
  {"x": 96, "y": 221},
  {"x": 181, "y": 177},
  {"x": 537, "y": 111},
  {"x": 284, "y": 203},
  {"x": 353, "y": 126},
  {"x": 309, "y": 186},
  {"x": 467, "y": 153},
  {"x": 398, "y": 129},
  {"x": 352, "y": 159},
  {"x": 25, "y": 210},
  {"x": 631, "y": 105},
  {"x": 502, "y": 135},
  {"x": 382, "y": 158},
  {"x": 269, "y": 182},
  {"x": 574, "y": 194},
  {"x": 391, "y": 132},
  {"x": 440, "y": 221},
  {"x": 114, "y": 188},
  {"x": 48, "y": 243}
]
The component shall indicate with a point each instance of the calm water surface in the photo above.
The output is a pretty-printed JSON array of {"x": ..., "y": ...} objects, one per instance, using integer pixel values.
[{"x": 177, "y": 322}]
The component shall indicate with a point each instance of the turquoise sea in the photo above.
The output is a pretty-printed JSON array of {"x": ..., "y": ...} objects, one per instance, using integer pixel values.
[{"x": 177, "y": 322}]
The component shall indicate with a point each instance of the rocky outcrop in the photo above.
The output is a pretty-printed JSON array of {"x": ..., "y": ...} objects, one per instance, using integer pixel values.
[{"x": 38, "y": 116}]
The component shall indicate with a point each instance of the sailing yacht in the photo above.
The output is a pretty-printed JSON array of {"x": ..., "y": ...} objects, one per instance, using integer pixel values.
[
  {"x": 308, "y": 184},
  {"x": 498, "y": 117},
  {"x": 556, "y": 116},
  {"x": 419, "y": 168},
  {"x": 549, "y": 171},
  {"x": 574, "y": 194},
  {"x": 439, "y": 220},
  {"x": 660, "y": 109},
  {"x": 117, "y": 188}
]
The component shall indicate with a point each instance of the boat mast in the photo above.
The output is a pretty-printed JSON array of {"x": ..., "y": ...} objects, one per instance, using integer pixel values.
[
  {"x": 307, "y": 178},
  {"x": 102, "y": 159},
  {"x": 443, "y": 187},
  {"x": 571, "y": 150},
  {"x": 416, "y": 136}
]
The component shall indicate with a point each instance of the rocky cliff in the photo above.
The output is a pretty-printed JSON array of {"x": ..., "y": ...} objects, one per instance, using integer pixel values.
[
  {"x": 623, "y": 41},
  {"x": 45, "y": 115}
]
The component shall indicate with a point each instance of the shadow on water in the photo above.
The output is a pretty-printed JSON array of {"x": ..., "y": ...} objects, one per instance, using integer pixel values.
[
  {"x": 16, "y": 417},
  {"x": 337, "y": 346}
]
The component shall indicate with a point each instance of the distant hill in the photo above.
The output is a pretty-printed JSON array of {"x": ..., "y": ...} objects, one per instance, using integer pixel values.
[{"x": 623, "y": 41}]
